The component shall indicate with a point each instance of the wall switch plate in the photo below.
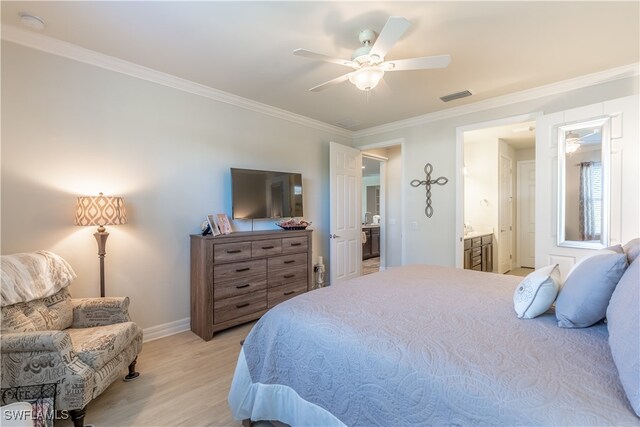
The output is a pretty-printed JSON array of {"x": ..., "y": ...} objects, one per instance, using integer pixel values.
[
  {"x": 392, "y": 221},
  {"x": 413, "y": 225}
]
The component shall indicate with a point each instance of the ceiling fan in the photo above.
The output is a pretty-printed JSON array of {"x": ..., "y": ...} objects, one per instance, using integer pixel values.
[
  {"x": 368, "y": 61},
  {"x": 573, "y": 140}
]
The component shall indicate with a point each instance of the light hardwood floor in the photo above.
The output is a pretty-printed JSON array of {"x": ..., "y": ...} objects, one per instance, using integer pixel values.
[
  {"x": 184, "y": 381},
  {"x": 519, "y": 271}
]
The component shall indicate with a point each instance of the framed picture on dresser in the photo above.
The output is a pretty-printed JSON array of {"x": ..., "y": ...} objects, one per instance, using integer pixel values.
[
  {"x": 215, "y": 230},
  {"x": 224, "y": 224}
]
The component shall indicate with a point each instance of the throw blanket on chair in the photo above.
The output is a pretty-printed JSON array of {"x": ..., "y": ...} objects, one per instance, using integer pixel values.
[{"x": 30, "y": 276}]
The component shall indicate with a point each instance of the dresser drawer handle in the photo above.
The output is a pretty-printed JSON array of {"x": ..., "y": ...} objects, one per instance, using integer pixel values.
[
  {"x": 243, "y": 286},
  {"x": 289, "y": 261},
  {"x": 240, "y": 270},
  {"x": 234, "y": 251},
  {"x": 289, "y": 276},
  {"x": 296, "y": 244},
  {"x": 290, "y": 292},
  {"x": 268, "y": 247},
  {"x": 244, "y": 304}
]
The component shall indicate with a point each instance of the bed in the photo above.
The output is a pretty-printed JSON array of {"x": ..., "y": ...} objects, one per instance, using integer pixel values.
[{"x": 424, "y": 345}]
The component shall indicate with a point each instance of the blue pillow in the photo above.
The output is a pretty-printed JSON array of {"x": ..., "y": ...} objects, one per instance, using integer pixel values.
[
  {"x": 585, "y": 295},
  {"x": 623, "y": 322}
]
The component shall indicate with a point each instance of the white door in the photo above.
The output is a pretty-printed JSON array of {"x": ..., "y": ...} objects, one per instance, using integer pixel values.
[
  {"x": 527, "y": 213},
  {"x": 505, "y": 220},
  {"x": 345, "y": 228}
]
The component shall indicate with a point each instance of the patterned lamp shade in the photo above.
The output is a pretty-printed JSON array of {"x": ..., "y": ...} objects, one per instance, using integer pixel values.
[{"x": 100, "y": 210}]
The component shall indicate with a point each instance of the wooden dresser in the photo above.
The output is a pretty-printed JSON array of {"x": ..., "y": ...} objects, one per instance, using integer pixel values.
[{"x": 237, "y": 277}]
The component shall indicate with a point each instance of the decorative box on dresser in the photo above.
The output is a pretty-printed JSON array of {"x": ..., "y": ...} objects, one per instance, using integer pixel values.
[{"x": 236, "y": 278}]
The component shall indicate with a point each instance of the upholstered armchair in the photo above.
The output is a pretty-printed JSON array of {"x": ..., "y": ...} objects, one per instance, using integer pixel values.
[{"x": 75, "y": 347}]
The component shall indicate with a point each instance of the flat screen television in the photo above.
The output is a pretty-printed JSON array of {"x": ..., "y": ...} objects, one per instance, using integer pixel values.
[{"x": 265, "y": 194}]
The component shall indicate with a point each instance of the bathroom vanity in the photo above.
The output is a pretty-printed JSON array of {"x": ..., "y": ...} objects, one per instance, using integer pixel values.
[
  {"x": 371, "y": 248},
  {"x": 478, "y": 251}
]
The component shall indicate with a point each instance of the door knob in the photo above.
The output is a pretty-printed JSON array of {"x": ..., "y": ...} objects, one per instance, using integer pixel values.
[{"x": 333, "y": 236}]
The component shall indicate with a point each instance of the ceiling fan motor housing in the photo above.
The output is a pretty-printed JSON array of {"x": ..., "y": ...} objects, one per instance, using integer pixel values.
[{"x": 361, "y": 55}]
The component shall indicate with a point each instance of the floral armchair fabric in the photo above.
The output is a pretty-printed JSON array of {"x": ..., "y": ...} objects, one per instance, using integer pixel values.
[{"x": 80, "y": 345}]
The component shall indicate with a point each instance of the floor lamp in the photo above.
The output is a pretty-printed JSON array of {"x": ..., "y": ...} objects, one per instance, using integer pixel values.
[{"x": 100, "y": 210}]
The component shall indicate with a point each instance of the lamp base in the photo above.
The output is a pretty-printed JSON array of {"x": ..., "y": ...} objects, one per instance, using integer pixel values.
[{"x": 101, "y": 238}]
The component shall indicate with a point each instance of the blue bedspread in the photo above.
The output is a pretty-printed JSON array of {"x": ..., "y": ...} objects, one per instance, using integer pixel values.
[{"x": 420, "y": 345}]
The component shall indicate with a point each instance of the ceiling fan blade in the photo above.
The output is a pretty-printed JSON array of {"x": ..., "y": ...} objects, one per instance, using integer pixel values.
[
  {"x": 342, "y": 78},
  {"x": 422, "y": 63},
  {"x": 313, "y": 55},
  {"x": 390, "y": 34}
]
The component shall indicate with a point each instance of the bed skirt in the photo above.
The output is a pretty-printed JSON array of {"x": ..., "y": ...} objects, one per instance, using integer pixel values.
[{"x": 273, "y": 402}]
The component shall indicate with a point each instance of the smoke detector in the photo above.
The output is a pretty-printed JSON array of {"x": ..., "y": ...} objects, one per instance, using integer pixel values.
[{"x": 31, "y": 21}]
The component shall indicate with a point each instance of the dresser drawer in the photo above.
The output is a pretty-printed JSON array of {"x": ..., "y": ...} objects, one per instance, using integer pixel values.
[
  {"x": 238, "y": 270},
  {"x": 266, "y": 247},
  {"x": 231, "y": 308},
  {"x": 487, "y": 239},
  {"x": 231, "y": 251},
  {"x": 285, "y": 276},
  {"x": 477, "y": 267},
  {"x": 476, "y": 261},
  {"x": 294, "y": 244},
  {"x": 476, "y": 241},
  {"x": 282, "y": 293},
  {"x": 241, "y": 286},
  {"x": 476, "y": 252},
  {"x": 287, "y": 261},
  {"x": 467, "y": 243}
]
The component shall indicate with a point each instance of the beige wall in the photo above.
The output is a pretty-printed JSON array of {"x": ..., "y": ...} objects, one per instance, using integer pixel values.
[{"x": 69, "y": 128}]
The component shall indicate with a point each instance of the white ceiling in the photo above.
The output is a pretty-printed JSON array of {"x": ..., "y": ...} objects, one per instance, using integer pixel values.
[{"x": 245, "y": 48}]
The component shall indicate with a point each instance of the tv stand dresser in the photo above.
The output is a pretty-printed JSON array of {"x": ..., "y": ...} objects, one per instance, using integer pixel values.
[{"x": 236, "y": 278}]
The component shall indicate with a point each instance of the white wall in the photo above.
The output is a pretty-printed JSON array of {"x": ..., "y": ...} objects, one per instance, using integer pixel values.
[
  {"x": 434, "y": 240},
  {"x": 625, "y": 178},
  {"x": 69, "y": 128},
  {"x": 393, "y": 204},
  {"x": 481, "y": 185},
  {"x": 367, "y": 181},
  {"x": 525, "y": 154}
]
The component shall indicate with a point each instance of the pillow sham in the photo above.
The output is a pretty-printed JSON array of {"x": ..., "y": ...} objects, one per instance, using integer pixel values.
[
  {"x": 537, "y": 292},
  {"x": 615, "y": 248},
  {"x": 632, "y": 249},
  {"x": 584, "y": 298},
  {"x": 623, "y": 323}
]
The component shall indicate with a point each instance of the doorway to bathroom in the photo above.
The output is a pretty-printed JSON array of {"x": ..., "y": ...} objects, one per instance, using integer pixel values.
[{"x": 496, "y": 204}]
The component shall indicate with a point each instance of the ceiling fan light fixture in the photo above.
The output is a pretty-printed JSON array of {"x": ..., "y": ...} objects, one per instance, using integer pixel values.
[
  {"x": 366, "y": 78},
  {"x": 572, "y": 142}
]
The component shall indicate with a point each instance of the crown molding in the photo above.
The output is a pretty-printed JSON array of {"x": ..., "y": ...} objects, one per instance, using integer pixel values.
[
  {"x": 77, "y": 53},
  {"x": 509, "y": 99},
  {"x": 71, "y": 51}
]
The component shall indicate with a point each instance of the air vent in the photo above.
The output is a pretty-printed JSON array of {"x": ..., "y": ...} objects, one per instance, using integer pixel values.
[
  {"x": 456, "y": 95},
  {"x": 348, "y": 123}
]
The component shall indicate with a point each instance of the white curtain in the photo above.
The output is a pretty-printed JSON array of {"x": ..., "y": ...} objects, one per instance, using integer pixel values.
[{"x": 590, "y": 200}]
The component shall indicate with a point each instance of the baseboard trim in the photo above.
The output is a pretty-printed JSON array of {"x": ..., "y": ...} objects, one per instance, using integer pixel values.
[{"x": 166, "y": 329}]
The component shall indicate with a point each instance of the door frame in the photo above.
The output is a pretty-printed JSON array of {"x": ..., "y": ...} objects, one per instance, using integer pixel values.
[
  {"x": 460, "y": 130},
  {"x": 383, "y": 197},
  {"x": 383, "y": 205},
  {"x": 520, "y": 233},
  {"x": 510, "y": 247}
]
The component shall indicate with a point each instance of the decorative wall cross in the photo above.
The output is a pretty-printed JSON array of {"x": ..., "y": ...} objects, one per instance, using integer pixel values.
[{"x": 427, "y": 183}]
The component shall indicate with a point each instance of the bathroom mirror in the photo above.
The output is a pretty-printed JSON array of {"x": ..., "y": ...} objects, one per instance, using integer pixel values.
[{"x": 583, "y": 177}]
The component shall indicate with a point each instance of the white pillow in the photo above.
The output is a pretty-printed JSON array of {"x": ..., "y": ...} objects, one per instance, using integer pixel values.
[{"x": 537, "y": 292}]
